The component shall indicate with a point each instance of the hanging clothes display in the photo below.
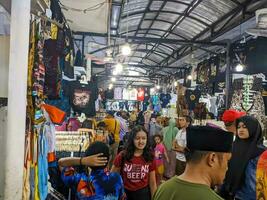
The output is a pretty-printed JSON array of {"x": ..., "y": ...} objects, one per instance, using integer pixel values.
[
  {"x": 118, "y": 93},
  {"x": 192, "y": 97},
  {"x": 203, "y": 72},
  {"x": 109, "y": 94},
  {"x": 83, "y": 97},
  {"x": 213, "y": 68},
  {"x": 155, "y": 99},
  {"x": 219, "y": 84},
  {"x": 165, "y": 99},
  {"x": 51, "y": 69},
  {"x": 48, "y": 44},
  {"x": 256, "y": 57},
  {"x": 247, "y": 97},
  {"x": 140, "y": 94},
  {"x": 133, "y": 94},
  {"x": 239, "y": 53}
]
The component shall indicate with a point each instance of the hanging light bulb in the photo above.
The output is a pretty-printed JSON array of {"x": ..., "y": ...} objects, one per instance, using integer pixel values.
[
  {"x": 110, "y": 86},
  {"x": 189, "y": 77},
  {"x": 115, "y": 72},
  {"x": 152, "y": 90},
  {"x": 239, "y": 67},
  {"x": 126, "y": 50},
  {"x": 175, "y": 83},
  {"x": 158, "y": 87},
  {"x": 113, "y": 79},
  {"x": 119, "y": 68}
]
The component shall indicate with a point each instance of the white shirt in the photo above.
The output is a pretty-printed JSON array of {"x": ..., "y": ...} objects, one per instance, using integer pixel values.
[
  {"x": 181, "y": 141},
  {"x": 118, "y": 93}
]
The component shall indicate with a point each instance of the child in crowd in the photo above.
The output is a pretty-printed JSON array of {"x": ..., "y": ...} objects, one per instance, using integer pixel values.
[
  {"x": 99, "y": 184},
  {"x": 102, "y": 130},
  {"x": 137, "y": 166},
  {"x": 159, "y": 150}
]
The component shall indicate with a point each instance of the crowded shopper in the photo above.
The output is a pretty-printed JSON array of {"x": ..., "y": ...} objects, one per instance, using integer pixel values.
[
  {"x": 113, "y": 126},
  {"x": 137, "y": 166},
  {"x": 159, "y": 152},
  {"x": 98, "y": 185},
  {"x": 244, "y": 179},
  {"x": 179, "y": 144},
  {"x": 169, "y": 134},
  {"x": 207, "y": 154},
  {"x": 154, "y": 125},
  {"x": 122, "y": 117}
]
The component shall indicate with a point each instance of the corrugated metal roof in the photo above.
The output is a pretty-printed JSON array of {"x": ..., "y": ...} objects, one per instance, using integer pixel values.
[{"x": 186, "y": 20}]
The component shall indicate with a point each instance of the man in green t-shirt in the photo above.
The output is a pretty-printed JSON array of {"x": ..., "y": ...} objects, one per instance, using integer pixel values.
[{"x": 207, "y": 154}]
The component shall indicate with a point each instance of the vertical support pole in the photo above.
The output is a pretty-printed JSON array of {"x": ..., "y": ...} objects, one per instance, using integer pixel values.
[
  {"x": 17, "y": 86},
  {"x": 228, "y": 78},
  {"x": 83, "y": 50}
]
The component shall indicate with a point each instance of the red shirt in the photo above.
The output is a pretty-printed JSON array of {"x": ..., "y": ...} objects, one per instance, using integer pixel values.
[
  {"x": 135, "y": 174},
  {"x": 140, "y": 94}
]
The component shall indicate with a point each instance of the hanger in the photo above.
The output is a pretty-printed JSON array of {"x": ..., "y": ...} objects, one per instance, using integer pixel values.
[{"x": 83, "y": 80}]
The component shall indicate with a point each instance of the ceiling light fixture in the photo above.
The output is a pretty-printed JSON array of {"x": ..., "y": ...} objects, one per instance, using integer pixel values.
[
  {"x": 115, "y": 72},
  {"x": 110, "y": 86},
  {"x": 158, "y": 87},
  {"x": 113, "y": 79},
  {"x": 189, "y": 77},
  {"x": 175, "y": 83},
  {"x": 119, "y": 68},
  {"x": 239, "y": 67},
  {"x": 126, "y": 49}
]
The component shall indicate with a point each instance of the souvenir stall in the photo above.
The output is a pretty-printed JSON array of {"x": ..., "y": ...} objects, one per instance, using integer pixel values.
[
  {"x": 207, "y": 100},
  {"x": 60, "y": 104}
]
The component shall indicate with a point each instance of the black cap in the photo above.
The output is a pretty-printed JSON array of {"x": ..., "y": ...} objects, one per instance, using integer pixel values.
[
  {"x": 205, "y": 138},
  {"x": 110, "y": 112},
  {"x": 101, "y": 124}
]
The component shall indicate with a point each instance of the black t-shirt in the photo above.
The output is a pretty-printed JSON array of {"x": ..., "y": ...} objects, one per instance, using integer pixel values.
[
  {"x": 109, "y": 94},
  {"x": 238, "y": 52},
  {"x": 222, "y": 68},
  {"x": 213, "y": 68},
  {"x": 192, "y": 97},
  {"x": 83, "y": 97},
  {"x": 256, "y": 58},
  {"x": 219, "y": 86}
]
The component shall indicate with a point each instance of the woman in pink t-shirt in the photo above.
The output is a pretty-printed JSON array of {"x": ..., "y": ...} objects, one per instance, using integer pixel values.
[
  {"x": 137, "y": 166},
  {"x": 159, "y": 150}
]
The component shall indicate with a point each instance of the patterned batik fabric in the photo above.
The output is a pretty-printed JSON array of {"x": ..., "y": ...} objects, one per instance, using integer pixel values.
[{"x": 100, "y": 185}]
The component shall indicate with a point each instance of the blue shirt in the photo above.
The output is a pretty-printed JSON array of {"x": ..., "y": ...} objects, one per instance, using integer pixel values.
[
  {"x": 98, "y": 186},
  {"x": 248, "y": 190}
]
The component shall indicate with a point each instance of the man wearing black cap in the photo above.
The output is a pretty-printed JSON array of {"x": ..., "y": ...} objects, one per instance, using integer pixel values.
[{"x": 207, "y": 154}]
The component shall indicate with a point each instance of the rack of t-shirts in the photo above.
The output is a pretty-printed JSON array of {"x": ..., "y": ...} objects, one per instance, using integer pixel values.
[{"x": 74, "y": 141}]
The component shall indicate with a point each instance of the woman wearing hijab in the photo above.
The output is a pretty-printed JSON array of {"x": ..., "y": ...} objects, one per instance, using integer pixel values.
[
  {"x": 169, "y": 134},
  {"x": 245, "y": 172}
]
